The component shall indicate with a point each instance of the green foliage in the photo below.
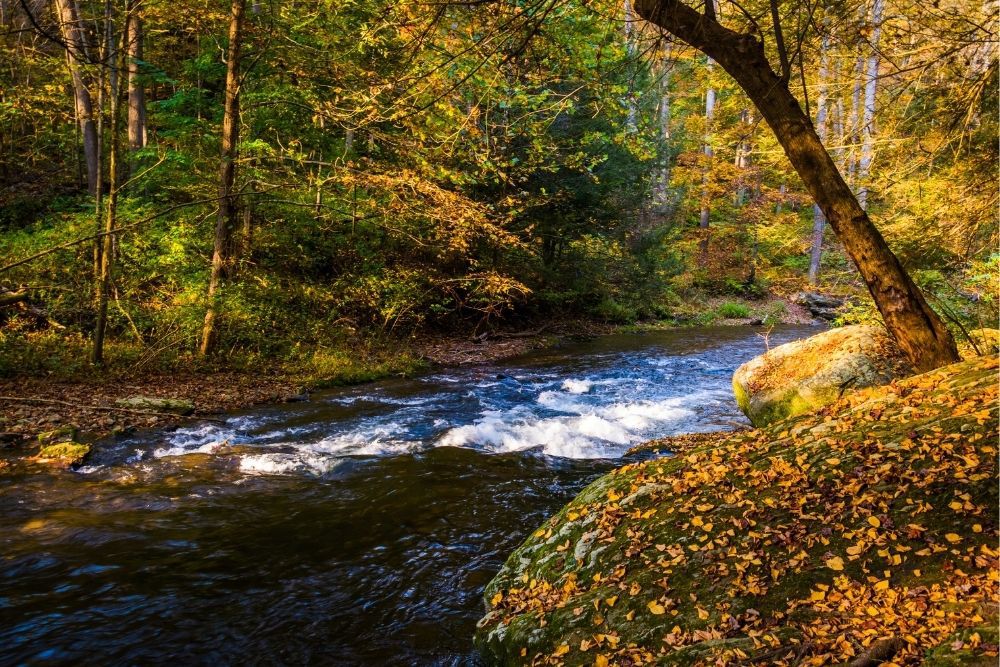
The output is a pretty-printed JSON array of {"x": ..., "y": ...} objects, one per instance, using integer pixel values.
[
  {"x": 401, "y": 169},
  {"x": 733, "y": 311}
]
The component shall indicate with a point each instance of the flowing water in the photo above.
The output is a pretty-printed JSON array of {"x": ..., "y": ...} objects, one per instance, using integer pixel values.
[{"x": 357, "y": 528}]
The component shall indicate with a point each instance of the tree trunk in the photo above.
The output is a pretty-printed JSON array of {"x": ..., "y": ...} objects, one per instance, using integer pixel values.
[
  {"x": 227, "y": 218},
  {"x": 706, "y": 175},
  {"x": 819, "y": 221},
  {"x": 136, "y": 91},
  {"x": 116, "y": 91},
  {"x": 662, "y": 198},
  {"x": 868, "y": 124},
  {"x": 630, "y": 45},
  {"x": 919, "y": 332},
  {"x": 72, "y": 33}
]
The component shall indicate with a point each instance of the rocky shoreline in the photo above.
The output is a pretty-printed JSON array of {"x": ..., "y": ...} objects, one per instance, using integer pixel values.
[{"x": 863, "y": 533}]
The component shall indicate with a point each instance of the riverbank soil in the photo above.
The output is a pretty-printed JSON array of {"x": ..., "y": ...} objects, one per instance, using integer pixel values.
[{"x": 865, "y": 533}]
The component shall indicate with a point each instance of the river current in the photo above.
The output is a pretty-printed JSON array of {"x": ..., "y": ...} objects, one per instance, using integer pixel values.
[{"x": 356, "y": 528}]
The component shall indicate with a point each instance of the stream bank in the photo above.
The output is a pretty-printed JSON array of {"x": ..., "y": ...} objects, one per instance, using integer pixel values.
[
  {"x": 833, "y": 537},
  {"x": 67, "y": 402}
]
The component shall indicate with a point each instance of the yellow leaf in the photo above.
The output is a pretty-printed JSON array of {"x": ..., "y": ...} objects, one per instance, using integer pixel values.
[
  {"x": 702, "y": 614},
  {"x": 601, "y": 661},
  {"x": 817, "y": 596},
  {"x": 495, "y": 600},
  {"x": 562, "y": 650},
  {"x": 697, "y": 521},
  {"x": 835, "y": 563},
  {"x": 833, "y": 461},
  {"x": 655, "y": 608},
  {"x": 882, "y": 585},
  {"x": 584, "y": 645},
  {"x": 611, "y": 600},
  {"x": 955, "y": 505},
  {"x": 874, "y": 522},
  {"x": 953, "y": 538}
]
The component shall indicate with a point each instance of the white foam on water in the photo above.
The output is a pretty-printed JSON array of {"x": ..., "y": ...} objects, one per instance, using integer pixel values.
[
  {"x": 283, "y": 463},
  {"x": 577, "y": 386},
  {"x": 203, "y": 439},
  {"x": 594, "y": 432}
]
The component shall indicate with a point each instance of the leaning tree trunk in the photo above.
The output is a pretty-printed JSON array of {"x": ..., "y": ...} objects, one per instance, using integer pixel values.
[
  {"x": 917, "y": 329},
  {"x": 226, "y": 220}
]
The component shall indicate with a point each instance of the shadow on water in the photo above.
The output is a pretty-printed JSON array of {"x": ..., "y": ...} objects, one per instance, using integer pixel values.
[{"x": 348, "y": 530}]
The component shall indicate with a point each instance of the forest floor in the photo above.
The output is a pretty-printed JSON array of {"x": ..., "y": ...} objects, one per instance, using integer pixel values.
[{"x": 34, "y": 404}]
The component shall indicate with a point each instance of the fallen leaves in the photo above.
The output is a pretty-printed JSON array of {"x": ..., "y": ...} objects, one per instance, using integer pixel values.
[{"x": 846, "y": 530}]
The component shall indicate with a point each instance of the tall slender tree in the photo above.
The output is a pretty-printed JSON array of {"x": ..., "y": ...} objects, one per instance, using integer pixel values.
[
  {"x": 871, "y": 87},
  {"x": 118, "y": 64},
  {"x": 136, "y": 89},
  {"x": 228, "y": 216},
  {"x": 77, "y": 53},
  {"x": 822, "y": 108}
]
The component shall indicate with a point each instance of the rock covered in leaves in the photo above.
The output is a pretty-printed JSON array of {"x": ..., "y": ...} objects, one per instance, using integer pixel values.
[
  {"x": 865, "y": 533},
  {"x": 179, "y": 406},
  {"x": 805, "y": 375}
]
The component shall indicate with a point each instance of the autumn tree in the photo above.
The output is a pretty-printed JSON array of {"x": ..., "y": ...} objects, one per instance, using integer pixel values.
[{"x": 917, "y": 329}]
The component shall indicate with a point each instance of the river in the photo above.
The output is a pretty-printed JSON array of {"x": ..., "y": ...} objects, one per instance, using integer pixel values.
[{"x": 357, "y": 528}]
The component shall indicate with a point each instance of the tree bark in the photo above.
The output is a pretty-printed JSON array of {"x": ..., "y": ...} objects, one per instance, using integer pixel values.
[
  {"x": 136, "y": 90},
  {"x": 116, "y": 91},
  {"x": 706, "y": 175},
  {"x": 819, "y": 221},
  {"x": 868, "y": 124},
  {"x": 72, "y": 34},
  {"x": 917, "y": 329},
  {"x": 227, "y": 218}
]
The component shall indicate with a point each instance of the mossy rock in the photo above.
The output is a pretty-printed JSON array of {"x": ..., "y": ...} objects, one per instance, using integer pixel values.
[
  {"x": 64, "y": 453},
  {"x": 806, "y": 542},
  {"x": 61, "y": 434},
  {"x": 805, "y": 375},
  {"x": 179, "y": 406}
]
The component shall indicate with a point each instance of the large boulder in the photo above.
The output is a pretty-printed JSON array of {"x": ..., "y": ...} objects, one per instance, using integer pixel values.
[
  {"x": 808, "y": 542},
  {"x": 803, "y": 376}
]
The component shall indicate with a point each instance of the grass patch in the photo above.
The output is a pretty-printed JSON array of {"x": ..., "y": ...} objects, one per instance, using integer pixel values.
[{"x": 730, "y": 310}]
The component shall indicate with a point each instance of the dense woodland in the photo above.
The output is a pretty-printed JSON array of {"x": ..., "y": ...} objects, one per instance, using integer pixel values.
[{"x": 301, "y": 181}]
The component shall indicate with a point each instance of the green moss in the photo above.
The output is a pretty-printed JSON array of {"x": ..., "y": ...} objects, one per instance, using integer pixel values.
[{"x": 67, "y": 451}]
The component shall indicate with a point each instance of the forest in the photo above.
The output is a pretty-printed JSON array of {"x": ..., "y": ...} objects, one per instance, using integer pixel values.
[
  {"x": 280, "y": 184},
  {"x": 499, "y": 332}
]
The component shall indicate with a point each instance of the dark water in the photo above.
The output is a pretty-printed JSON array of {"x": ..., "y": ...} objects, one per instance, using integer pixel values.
[{"x": 358, "y": 528}]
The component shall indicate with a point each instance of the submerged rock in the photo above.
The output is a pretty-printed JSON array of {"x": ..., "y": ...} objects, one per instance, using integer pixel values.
[
  {"x": 63, "y": 453},
  {"x": 808, "y": 542},
  {"x": 805, "y": 375},
  {"x": 180, "y": 406}
]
